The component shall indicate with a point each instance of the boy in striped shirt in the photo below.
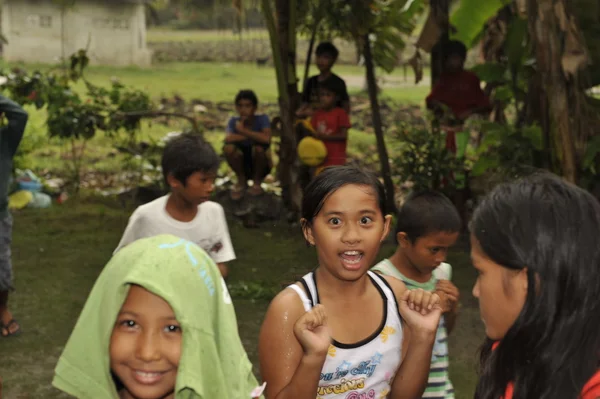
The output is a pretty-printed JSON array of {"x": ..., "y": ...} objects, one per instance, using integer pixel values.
[{"x": 428, "y": 225}]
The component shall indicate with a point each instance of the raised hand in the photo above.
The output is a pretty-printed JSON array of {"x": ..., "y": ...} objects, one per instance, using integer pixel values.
[
  {"x": 312, "y": 332},
  {"x": 421, "y": 310},
  {"x": 240, "y": 126},
  {"x": 450, "y": 293}
]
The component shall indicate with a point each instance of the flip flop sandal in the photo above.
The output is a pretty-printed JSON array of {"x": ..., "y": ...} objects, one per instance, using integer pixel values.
[{"x": 7, "y": 327}]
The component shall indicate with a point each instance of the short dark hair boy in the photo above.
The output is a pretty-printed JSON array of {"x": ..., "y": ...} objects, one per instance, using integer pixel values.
[
  {"x": 189, "y": 166},
  {"x": 428, "y": 225},
  {"x": 247, "y": 145},
  {"x": 326, "y": 56}
]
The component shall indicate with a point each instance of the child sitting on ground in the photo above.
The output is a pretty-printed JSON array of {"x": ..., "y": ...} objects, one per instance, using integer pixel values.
[
  {"x": 189, "y": 166},
  {"x": 428, "y": 225},
  {"x": 158, "y": 324},
  {"x": 330, "y": 124},
  {"x": 247, "y": 142}
]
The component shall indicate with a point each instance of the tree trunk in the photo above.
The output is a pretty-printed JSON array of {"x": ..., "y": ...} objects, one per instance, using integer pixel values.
[
  {"x": 311, "y": 45},
  {"x": 545, "y": 29},
  {"x": 441, "y": 11},
  {"x": 377, "y": 125},
  {"x": 289, "y": 166}
]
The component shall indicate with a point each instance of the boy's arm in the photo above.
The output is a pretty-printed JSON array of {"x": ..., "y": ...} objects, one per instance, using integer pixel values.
[
  {"x": 345, "y": 97},
  {"x": 263, "y": 136},
  {"x": 305, "y": 110},
  {"x": 224, "y": 252},
  {"x": 417, "y": 347},
  {"x": 231, "y": 136},
  {"x": 342, "y": 133},
  {"x": 449, "y": 295},
  {"x": 17, "y": 120}
]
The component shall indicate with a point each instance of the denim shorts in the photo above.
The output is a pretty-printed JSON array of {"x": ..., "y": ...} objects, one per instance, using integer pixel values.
[{"x": 5, "y": 263}]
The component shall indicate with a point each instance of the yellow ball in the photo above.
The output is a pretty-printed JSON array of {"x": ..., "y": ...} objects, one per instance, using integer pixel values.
[{"x": 312, "y": 152}]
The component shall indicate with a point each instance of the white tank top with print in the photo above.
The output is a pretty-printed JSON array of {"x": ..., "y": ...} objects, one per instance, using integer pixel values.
[{"x": 364, "y": 370}]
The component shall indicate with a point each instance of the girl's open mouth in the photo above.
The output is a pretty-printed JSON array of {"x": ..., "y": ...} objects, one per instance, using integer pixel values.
[{"x": 352, "y": 259}]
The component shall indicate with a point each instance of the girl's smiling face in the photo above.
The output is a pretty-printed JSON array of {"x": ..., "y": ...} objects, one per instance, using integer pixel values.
[
  {"x": 145, "y": 346},
  {"x": 348, "y": 231}
]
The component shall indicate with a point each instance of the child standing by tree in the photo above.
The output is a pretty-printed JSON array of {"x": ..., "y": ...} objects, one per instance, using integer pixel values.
[
  {"x": 457, "y": 89},
  {"x": 158, "y": 324},
  {"x": 534, "y": 244},
  {"x": 330, "y": 124},
  {"x": 189, "y": 166},
  {"x": 343, "y": 331},
  {"x": 247, "y": 142},
  {"x": 428, "y": 225},
  {"x": 10, "y": 138},
  {"x": 327, "y": 54}
]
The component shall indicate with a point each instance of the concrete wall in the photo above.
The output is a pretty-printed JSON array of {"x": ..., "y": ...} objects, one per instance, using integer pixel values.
[{"x": 39, "y": 31}]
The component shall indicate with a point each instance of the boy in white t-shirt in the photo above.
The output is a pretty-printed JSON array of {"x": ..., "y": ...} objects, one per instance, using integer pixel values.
[
  {"x": 189, "y": 166},
  {"x": 428, "y": 225}
]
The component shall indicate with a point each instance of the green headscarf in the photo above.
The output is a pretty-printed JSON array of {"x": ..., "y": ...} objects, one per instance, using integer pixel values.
[{"x": 213, "y": 361}]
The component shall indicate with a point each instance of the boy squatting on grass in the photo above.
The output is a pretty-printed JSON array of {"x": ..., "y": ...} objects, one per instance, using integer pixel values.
[
  {"x": 247, "y": 142},
  {"x": 428, "y": 225},
  {"x": 189, "y": 167},
  {"x": 10, "y": 137}
]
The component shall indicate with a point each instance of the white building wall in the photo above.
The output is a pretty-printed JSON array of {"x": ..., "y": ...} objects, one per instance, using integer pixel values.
[{"x": 39, "y": 31}]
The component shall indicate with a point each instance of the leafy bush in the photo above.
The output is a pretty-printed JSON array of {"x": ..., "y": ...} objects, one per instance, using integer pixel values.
[{"x": 424, "y": 161}]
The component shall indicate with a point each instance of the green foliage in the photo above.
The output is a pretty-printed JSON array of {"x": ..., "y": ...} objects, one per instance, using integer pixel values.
[
  {"x": 507, "y": 149},
  {"x": 424, "y": 159},
  {"x": 386, "y": 22},
  {"x": 75, "y": 117},
  {"x": 252, "y": 290},
  {"x": 70, "y": 114},
  {"x": 470, "y": 18}
]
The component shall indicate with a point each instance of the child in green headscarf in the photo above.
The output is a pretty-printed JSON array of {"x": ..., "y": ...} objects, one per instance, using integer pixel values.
[{"x": 158, "y": 324}]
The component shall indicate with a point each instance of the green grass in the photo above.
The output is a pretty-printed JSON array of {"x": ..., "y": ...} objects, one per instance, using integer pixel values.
[
  {"x": 221, "y": 81},
  {"x": 217, "y": 82},
  {"x": 58, "y": 253}
]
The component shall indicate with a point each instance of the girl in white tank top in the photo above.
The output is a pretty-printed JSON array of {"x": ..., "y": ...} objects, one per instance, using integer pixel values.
[
  {"x": 300, "y": 356},
  {"x": 368, "y": 366}
]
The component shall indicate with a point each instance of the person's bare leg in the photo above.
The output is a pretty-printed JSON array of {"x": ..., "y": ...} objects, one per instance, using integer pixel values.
[
  {"x": 235, "y": 160},
  {"x": 6, "y": 316},
  {"x": 259, "y": 163},
  {"x": 6, "y": 277},
  {"x": 224, "y": 270}
]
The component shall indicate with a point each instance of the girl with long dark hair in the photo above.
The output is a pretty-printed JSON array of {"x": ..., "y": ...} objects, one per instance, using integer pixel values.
[{"x": 536, "y": 246}]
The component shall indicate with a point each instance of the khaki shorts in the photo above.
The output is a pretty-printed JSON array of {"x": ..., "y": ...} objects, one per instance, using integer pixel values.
[{"x": 6, "y": 274}]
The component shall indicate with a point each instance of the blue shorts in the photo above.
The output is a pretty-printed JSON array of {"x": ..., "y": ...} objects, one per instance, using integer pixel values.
[{"x": 6, "y": 274}]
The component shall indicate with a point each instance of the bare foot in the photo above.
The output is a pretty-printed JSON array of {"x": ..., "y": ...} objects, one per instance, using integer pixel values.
[{"x": 9, "y": 325}]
